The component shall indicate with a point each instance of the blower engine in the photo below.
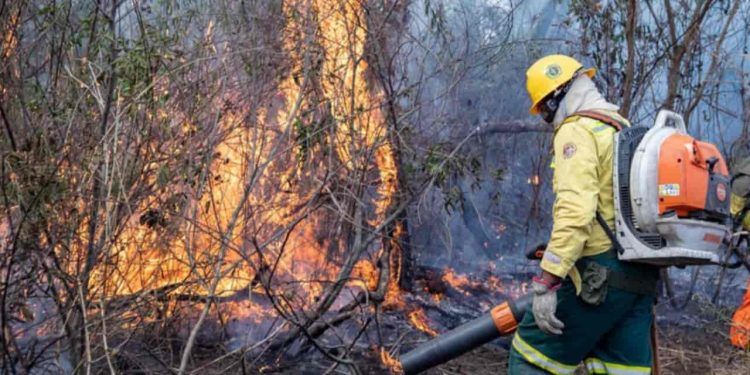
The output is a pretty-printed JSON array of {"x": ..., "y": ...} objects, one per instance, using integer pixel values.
[{"x": 671, "y": 195}]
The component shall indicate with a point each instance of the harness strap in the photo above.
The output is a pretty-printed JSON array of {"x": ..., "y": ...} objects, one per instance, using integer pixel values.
[
  {"x": 736, "y": 176},
  {"x": 608, "y": 120},
  {"x": 609, "y": 232}
]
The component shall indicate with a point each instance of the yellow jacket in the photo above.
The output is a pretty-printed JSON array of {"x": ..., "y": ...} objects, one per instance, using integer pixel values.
[
  {"x": 737, "y": 203},
  {"x": 582, "y": 183},
  {"x": 740, "y": 182}
]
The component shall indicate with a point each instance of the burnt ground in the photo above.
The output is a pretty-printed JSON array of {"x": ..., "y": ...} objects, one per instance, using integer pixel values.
[{"x": 692, "y": 341}]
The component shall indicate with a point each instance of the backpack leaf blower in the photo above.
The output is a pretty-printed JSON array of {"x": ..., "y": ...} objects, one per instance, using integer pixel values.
[{"x": 671, "y": 195}]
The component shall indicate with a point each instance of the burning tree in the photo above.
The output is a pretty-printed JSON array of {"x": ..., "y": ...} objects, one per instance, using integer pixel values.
[{"x": 167, "y": 166}]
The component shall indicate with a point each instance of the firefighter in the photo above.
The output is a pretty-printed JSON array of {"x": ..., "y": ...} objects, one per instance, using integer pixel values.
[
  {"x": 588, "y": 306},
  {"x": 740, "y": 166},
  {"x": 739, "y": 331}
]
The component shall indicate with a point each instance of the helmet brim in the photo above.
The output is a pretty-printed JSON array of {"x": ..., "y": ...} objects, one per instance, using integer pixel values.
[{"x": 534, "y": 110}]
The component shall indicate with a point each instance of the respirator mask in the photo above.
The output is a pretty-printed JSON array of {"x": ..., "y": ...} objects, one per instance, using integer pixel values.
[{"x": 549, "y": 105}]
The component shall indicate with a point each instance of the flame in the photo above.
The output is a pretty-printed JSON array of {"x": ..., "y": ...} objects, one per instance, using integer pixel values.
[
  {"x": 365, "y": 275},
  {"x": 210, "y": 239},
  {"x": 391, "y": 363},
  {"x": 393, "y": 296},
  {"x": 8, "y": 44},
  {"x": 459, "y": 282},
  {"x": 437, "y": 297},
  {"x": 9, "y": 40},
  {"x": 418, "y": 319}
]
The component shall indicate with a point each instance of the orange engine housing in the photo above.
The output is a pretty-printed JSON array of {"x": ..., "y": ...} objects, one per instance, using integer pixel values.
[{"x": 687, "y": 184}]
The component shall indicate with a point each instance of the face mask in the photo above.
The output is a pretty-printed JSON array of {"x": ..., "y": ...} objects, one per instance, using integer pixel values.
[{"x": 548, "y": 108}]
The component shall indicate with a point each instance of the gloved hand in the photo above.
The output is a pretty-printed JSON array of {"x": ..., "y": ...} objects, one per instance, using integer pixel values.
[{"x": 544, "y": 306}]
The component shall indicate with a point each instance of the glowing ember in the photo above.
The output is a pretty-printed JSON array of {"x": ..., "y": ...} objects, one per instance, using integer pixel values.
[
  {"x": 391, "y": 363},
  {"x": 462, "y": 283},
  {"x": 418, "y": 319},
  {"x": 437, "y": 297},
  {"x": 393, "y": 296}
]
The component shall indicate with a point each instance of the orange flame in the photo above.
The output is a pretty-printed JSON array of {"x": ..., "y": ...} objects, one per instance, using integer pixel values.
[
  {"x": 145, "y": 259},
  {"x": 8, "y": 43},
  {"x": 391, "y": 363},
  {"x": 365, "y": 274},
  {"x": 9, "y": 40},
  {"x": 418, "y": 319},
  {"x": 459, "y": 282}
]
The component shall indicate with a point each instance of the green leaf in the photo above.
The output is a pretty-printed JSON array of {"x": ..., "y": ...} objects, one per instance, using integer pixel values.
[{"x": 162, "y": 176}]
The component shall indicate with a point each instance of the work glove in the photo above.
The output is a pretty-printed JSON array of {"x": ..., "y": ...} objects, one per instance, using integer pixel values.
[{"x": 544, "y": 306}]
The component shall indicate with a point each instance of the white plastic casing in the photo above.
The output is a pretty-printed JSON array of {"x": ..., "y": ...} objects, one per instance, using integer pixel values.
[{"x": 684, "y": 237}]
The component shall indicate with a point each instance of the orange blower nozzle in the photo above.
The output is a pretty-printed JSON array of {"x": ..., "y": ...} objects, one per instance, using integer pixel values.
[{"x": 504, "y": 319}]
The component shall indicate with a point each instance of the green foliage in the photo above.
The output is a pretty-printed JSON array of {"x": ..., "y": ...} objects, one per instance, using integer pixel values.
[
  {"x": 445, "y": 168},
  {"x": 133, "y": 69},
  {"x": 309, "y": 133},
  {"x": 498, "y": 174},
  {"x": 453, "y": 200},
  {"x": 435, "y": 165}
]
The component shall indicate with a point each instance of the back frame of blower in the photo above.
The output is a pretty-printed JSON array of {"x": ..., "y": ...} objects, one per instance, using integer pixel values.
[{"x": 644, "y": 234}]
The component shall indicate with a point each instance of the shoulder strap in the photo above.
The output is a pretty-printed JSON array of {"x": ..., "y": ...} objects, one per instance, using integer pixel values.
[
  {"x": 600, "y": 219},
  {"x": 609, "y": 120},
  {"x": 740, "y": 168}
]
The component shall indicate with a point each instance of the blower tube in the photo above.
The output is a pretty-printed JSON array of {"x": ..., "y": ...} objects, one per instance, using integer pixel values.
[{"x": 500, "y": 321}]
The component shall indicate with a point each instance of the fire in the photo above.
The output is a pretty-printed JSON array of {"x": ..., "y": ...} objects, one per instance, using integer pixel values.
[
  {"x": 391, "y": 363},
  {"x": 365, "y": 274},
  {"x": 255, "y": 189},
  {"x": 418, "y": 319},
  {"x": 393, "y": 296},
  {"x": 8, "y": 44},
  {"x": 9, "y": 40},
  {"x": 437, "y": 297},
  {"x": 459, "y": 282}
]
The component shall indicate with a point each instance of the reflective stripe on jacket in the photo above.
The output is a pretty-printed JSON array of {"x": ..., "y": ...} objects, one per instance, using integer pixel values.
[{"x": 582, "y": 182}]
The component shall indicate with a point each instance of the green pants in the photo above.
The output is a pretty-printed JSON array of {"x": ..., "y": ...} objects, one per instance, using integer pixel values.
[{"x": 611, "y": 338}]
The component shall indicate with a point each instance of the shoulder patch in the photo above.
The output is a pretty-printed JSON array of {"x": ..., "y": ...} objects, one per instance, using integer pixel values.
[{"x": 569, "y": 149}]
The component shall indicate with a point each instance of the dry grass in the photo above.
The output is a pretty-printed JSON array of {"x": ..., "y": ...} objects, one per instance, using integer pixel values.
[{"x": 700, "y": 351}]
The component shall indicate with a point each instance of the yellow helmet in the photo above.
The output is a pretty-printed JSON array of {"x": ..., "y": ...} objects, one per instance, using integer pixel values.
[{"x": 549, "y": 73}]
